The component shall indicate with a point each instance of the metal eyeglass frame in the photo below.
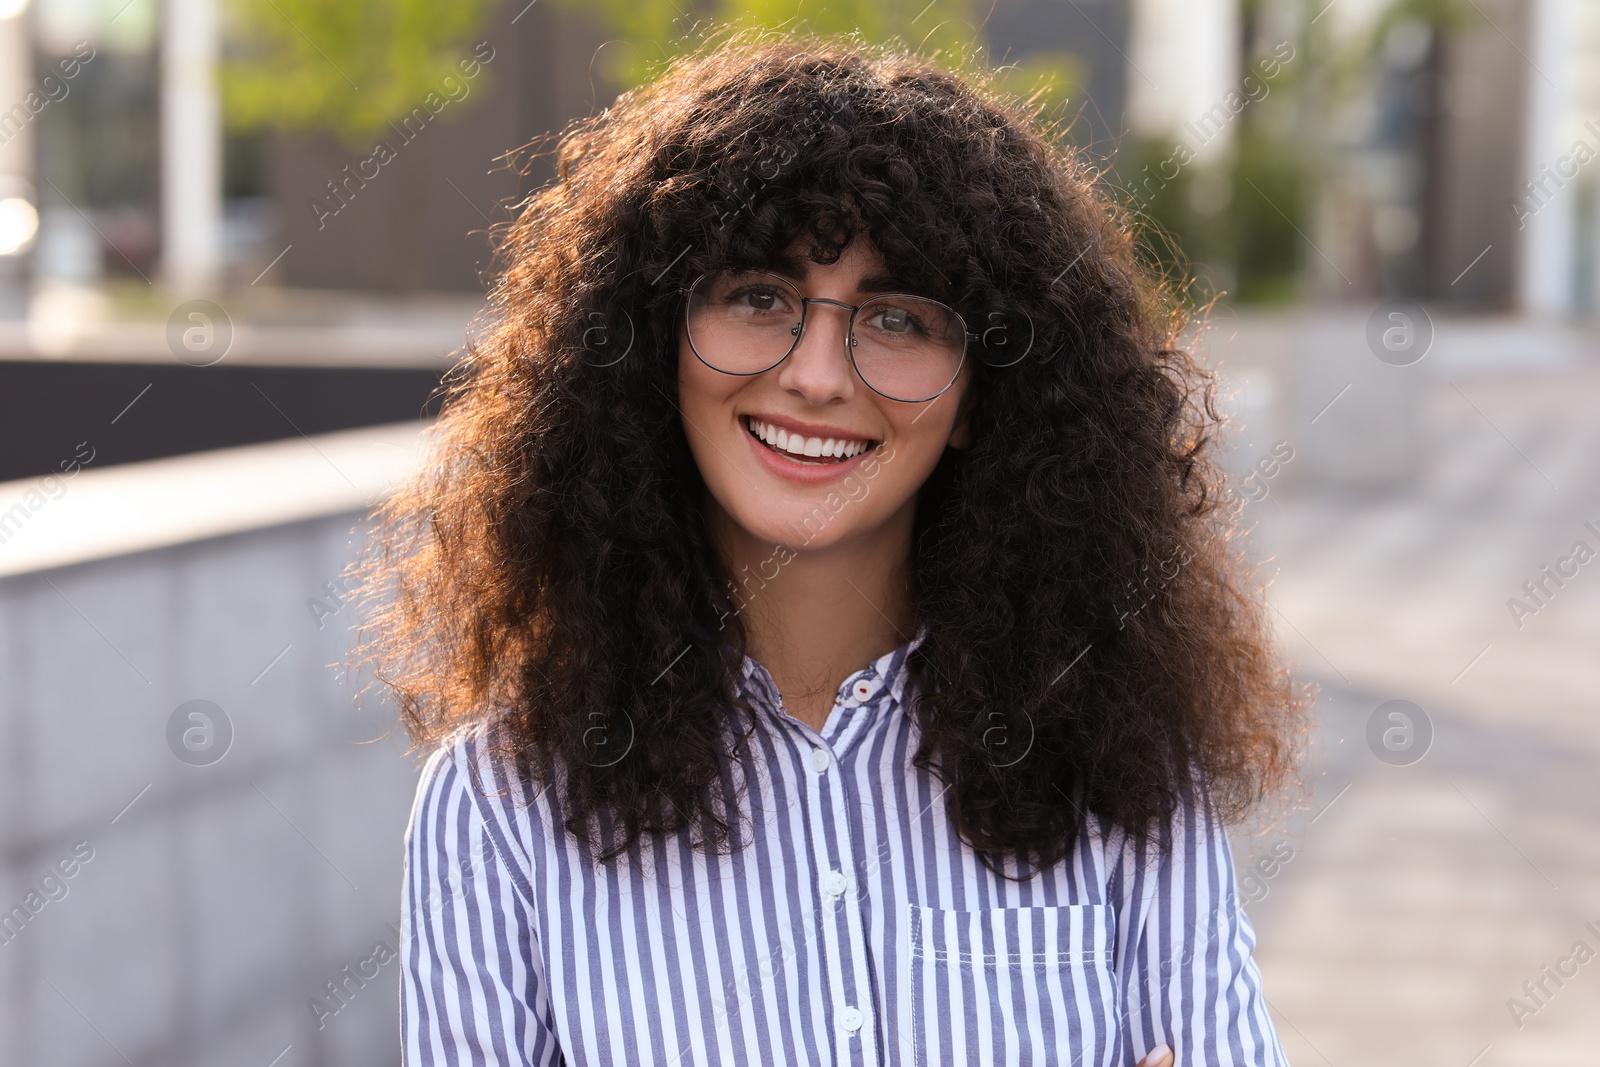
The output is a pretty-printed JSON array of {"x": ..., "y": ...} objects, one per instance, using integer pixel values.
[{"x": 850, "y": 332}]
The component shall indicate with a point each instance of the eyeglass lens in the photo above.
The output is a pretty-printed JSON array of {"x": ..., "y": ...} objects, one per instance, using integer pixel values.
[{"x": 905, "y": 347}]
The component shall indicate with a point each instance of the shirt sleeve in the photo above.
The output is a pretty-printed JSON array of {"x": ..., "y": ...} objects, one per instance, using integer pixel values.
[
  {"x": 1184, "y": 959},
  {"x": 472, "y": 990}
]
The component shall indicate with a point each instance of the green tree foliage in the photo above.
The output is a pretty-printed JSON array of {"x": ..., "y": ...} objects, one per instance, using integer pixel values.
[
  {"x": 348, "y": 67},
  {"x": 1241, "y": 224},
  {"x": 1045, "y": 82},
  {"x": 657, "y": 28},
  {"x": 1234, "y": 224}
]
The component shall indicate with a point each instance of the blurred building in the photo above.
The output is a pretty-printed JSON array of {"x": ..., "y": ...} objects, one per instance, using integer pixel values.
[
  {"x": 1451, "y": 142},
  {"x": 227, "y": 206},
  {"x": 1489, "y": 106}
]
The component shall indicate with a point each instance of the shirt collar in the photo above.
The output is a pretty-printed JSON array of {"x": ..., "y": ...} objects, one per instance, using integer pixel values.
[{"x": 888, "y": 669}]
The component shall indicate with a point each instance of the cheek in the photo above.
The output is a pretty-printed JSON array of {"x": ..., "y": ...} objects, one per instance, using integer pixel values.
[
  {"x": 921, "y": 435},
  {"x": 698, "y": 387},
  {"x": 703, "y": 398},
  {"x": 906, "y": 462}
]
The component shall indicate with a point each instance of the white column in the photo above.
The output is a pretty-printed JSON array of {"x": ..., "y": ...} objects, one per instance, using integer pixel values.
[
  {"x": 1545, "y": 275},
  {"x": 191, "y": 147},
  {"x": 1183, "y": 60},
  {"x": 16, "y": 129}
]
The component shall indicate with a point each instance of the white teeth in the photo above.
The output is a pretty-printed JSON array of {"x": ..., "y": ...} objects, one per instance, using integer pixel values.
[{"x": 797, "y": 445}]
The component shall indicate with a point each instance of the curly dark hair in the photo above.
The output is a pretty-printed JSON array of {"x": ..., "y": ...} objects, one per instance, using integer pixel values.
[{"x": 1074, "y": 566}]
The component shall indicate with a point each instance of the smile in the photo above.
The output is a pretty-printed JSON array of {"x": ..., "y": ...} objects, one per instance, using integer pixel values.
[{"x": 816, "y": 450}]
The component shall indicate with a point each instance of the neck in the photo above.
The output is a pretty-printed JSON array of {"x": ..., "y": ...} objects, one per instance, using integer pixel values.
[{"x": 826, "y": 612}]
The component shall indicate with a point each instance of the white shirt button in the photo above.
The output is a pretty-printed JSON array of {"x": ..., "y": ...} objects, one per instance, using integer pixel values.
[
  {"x": 834, "y": 884},
  {"x": 863, "y": 689},
  {"x": 820, "y": 760},
  {"x": 851, "y": 1018}
]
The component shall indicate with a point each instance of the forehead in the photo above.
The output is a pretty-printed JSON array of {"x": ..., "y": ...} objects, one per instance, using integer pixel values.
[{"x": 859, "y": 260}]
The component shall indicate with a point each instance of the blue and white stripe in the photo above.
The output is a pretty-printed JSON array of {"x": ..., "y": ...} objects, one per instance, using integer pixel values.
[{"x": 854, "y": 927}]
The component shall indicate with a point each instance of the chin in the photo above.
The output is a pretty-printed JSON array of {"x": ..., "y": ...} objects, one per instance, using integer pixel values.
[{"x": 802, "y": 529}]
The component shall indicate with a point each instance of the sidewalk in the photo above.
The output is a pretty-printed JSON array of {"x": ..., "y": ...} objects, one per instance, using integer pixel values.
[{"x": 1422, "y": 897}]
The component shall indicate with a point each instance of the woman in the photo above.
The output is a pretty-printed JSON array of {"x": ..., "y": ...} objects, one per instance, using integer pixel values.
[{"x": 821, "y": 614}]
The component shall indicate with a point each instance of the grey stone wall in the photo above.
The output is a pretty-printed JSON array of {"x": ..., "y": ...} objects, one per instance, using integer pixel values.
[{"x": 173, "y": 900}]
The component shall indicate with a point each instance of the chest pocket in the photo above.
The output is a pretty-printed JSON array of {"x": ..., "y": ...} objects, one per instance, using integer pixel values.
[{"x": 1014, "y": 986}]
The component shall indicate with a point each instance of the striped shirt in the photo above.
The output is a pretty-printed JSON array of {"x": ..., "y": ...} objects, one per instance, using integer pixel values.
[{"x": 854, "y": 927}]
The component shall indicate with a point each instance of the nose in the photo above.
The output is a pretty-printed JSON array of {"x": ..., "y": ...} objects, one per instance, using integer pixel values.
[{"x": 819, "y": 366}]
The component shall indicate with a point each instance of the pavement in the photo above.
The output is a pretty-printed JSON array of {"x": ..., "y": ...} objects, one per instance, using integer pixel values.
[{"x": 1441, "y": 902}]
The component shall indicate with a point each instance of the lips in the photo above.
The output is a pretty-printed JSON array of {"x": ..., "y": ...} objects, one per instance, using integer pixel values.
[
  {"x": 809, "y": 471},
  {"x": 821, "y": 448}
]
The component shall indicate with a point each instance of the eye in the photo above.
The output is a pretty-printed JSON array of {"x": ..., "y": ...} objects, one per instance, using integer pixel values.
[
  {"x": 759, "y": 300},
  {"x": 893, "y": 319}
]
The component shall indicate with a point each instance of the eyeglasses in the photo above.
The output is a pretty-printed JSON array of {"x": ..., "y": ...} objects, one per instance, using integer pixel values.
[{"x": 906, "y": 348}]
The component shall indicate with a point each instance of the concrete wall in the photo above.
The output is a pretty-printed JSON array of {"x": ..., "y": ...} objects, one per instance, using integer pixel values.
[{"x": 212, "y": 896}]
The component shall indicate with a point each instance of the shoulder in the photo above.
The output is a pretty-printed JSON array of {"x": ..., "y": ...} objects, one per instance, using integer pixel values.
[
  {"x": 470, "y": 763},
  {"x": 470, "y": 798},
  {"x": 447, "y": 780}
]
